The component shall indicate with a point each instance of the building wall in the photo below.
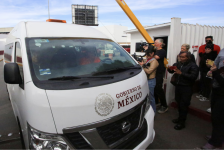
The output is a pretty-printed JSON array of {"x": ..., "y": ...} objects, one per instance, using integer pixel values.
[
  {"x": 4, "y": 30},
  {"x": 116, "y": 32},
  {"x": 136, "y": 37},
  {"x": 2, "y": 44}
]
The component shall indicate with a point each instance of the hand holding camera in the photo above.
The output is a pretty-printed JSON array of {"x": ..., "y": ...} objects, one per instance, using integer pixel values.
[{"x": 141, "y": 63}]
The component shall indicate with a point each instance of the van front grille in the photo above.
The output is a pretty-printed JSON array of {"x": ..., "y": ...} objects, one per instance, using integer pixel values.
[
  {"x": 77, "y": 140},
  {"x": 136, "y": 139},
  {"x": 112, "y": 132}
]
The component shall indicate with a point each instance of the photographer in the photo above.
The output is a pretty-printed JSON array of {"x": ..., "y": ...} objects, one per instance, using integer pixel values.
[
  {"x": 159, "y": 92},
  {"x": 185, "y": 74},
  {"x": 150, "y": 69}
]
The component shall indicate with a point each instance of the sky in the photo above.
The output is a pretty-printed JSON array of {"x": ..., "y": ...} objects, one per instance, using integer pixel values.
[{"x": 149, "y": 12}]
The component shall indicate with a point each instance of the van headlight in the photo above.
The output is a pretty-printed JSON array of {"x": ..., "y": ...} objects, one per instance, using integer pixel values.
[
  {"x": 39, "y": 140},
  {"x": 147, "y": 104}
]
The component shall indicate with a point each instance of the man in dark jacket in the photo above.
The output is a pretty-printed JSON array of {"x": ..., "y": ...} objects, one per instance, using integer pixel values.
[
  {"x": 209, "y": 54},
  {"x": 185, "y": 74},
  {"x": 216, "y": 140}
]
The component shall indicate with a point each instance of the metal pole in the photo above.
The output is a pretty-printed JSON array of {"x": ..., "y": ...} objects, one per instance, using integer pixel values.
[
  {"x": 135, "y": 21},
  {"x": 48, "y": 10}
]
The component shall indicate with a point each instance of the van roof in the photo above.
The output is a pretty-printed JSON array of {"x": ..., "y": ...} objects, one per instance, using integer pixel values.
[{"x": 53, "y": 29}]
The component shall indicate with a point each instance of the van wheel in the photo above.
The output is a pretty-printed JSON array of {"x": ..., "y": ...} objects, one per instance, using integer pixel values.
[{"x": 21, "y": 135}]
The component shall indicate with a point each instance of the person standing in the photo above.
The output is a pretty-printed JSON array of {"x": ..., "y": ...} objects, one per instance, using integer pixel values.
[
  {"x": 216, "y": 48},
  {"x": 150, "y": 70},
  {"x": 185, "y": 48},
  {"x": 217, "y": 104},
  {"x": 185, "y": 74},
  {"x": 209, "y": 54},
  {"x": 159, "y": 92}
]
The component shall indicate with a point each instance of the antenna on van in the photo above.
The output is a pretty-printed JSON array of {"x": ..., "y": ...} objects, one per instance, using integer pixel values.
[
  {"x": 108, "y": 30},
  {"x": 48, "y": 10}
]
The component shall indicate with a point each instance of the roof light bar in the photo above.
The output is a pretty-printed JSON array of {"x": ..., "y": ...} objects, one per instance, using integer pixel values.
[{"x": 56, "y": 20}]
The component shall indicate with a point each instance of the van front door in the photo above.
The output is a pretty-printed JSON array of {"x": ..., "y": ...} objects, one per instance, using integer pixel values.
[{"x": 18, "y": 94}]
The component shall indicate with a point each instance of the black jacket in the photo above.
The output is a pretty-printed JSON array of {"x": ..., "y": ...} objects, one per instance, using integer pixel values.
[
  {"x": 202, "y": 66},
  {"x": 218, "y": 83},
  {"x": 192, "y": 59},
  {"x": 189, "y": 74}
]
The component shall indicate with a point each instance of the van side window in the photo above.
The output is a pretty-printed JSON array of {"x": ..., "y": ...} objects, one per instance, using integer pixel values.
[
  {"x": 8, "y": 53},
  {"x": 19, "y": 61}
]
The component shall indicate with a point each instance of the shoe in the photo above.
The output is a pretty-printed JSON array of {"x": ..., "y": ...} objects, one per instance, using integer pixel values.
[
  {"x": 199, "y": 96},
  {"x": 179, "y": 126},
  {"x": 208, "y": 137},
  {"x": 176, "y": 121},
  {"x": 209, "y": 110},
  {"x": 209, "y": 146},
  {"x": 203, "y": 99},
  {"x": 163, "y": 110},
  {"x": 158, "y": 105}
]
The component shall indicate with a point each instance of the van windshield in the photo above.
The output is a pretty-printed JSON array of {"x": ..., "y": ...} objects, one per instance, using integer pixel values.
[{"x": 52, "y": 58}]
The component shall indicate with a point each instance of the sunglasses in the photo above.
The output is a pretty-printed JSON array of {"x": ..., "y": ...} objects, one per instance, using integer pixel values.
[{"x": 207, "y": 40}]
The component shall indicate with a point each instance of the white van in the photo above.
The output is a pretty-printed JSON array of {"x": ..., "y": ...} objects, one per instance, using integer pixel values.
[{"x": 72, "y": 87}]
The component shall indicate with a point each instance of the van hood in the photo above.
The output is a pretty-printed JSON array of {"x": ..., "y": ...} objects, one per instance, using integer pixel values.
[{"x": 78, "y": 107}]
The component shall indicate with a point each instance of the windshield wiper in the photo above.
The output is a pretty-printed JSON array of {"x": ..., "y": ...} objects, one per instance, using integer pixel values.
[
  {"x": 117, "y": 70},
  {"x": 78, "y": 77}
]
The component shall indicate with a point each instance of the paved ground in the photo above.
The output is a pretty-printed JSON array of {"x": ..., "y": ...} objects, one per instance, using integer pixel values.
[
  {"x": 198, "y": 104},
  {"x": 7, "y": 119},
  {"x": 169, "y": 138},
  {"x": 166, "y": 137}
]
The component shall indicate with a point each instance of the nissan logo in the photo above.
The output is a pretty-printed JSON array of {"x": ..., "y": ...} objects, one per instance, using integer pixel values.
[{"x": 125, "y": 126}]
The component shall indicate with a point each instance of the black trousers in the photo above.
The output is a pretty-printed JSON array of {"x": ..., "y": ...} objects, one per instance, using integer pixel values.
[
  {"x": 217, "y": 107},
  {"x": 159, "y": 92},
  {"x": 206, "y": 88},
  {"x": 183, "y": 98}
]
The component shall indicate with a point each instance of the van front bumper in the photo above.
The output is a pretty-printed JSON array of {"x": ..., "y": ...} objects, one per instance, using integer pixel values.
[
  {"x": 106, "y": 136},
  {"x": 151, "y": 132}
]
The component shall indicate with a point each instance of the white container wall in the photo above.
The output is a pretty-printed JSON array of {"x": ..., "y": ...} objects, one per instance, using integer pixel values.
[{"x": 195, "y": 35}]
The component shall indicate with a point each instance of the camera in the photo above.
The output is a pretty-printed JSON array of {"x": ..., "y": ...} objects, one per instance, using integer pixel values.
[
  {"x": 146, "y": 65},
  {"x": 141, "y": 46},
  {"x": 145, "y": 44},
  {"x": 149, "y": 50},
  {"x": 140, "y": 59}
]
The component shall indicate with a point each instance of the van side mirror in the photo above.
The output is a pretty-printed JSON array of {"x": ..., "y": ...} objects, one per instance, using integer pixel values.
[{"x": 12, "y": 74}]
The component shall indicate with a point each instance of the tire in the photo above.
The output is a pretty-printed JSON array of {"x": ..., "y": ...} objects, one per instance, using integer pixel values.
[{"x": 21, "y": 135}]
